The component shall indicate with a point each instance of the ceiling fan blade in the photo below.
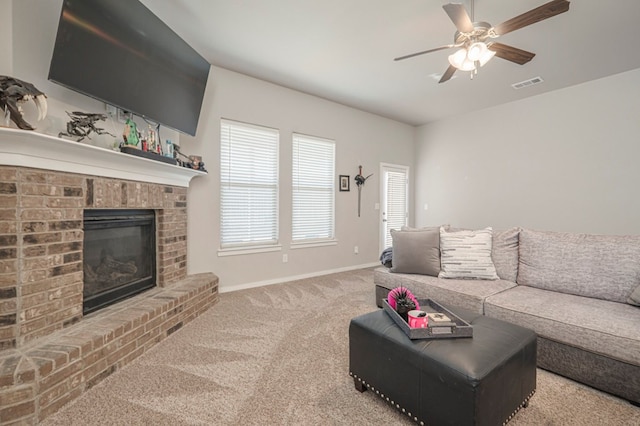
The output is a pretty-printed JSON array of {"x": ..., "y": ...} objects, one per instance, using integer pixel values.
[
  {"x": 449, "y": 46},
  {"x": 511, "y": 53},
  {"x": 459, "y": 16},
  {"x": 548, "y": 10},
  {"x": 447, "y": 74}
]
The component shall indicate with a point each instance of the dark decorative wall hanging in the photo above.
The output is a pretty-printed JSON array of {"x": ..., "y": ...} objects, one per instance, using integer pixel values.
[{"x": 360, "y": 180}]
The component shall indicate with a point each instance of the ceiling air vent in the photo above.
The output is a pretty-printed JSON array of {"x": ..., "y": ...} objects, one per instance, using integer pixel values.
[{"x": 527, "y": 83}]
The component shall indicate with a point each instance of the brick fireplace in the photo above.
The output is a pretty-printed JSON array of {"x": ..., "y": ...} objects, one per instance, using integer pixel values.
[{"x": 49, "y": 352}]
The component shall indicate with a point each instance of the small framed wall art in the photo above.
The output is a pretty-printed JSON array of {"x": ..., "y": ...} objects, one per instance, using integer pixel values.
[{"x": 344, "y": 182}]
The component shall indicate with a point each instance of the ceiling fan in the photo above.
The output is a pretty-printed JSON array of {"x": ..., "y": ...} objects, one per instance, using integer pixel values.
[{"x": 474, "y": 39}]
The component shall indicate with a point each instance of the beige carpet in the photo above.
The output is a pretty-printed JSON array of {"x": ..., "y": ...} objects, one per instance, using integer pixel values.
[{"x": 278, "y": 355}]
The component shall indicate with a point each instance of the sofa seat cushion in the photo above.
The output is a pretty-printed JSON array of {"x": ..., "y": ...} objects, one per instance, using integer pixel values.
[
  {"x": 468, "y": 294},
  {"x": 601, "y": 266},
  {"x": 595, "y": 325}
]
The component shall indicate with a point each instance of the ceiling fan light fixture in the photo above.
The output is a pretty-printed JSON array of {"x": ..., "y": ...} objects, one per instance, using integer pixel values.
[
  {"x": 456, "y": 59},
  {"x": 468, "y": 65},
  {"x": 460, "y": 61},
  {"x": 486, "y": 57},
  {"x": 476, "y": 51}
]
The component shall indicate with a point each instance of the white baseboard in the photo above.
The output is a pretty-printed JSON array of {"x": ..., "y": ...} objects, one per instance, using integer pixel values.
[{"x": 295, "y": 277}]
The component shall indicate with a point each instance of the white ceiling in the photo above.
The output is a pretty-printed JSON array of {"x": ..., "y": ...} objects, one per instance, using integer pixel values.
[{"x": 343, "y": 50}]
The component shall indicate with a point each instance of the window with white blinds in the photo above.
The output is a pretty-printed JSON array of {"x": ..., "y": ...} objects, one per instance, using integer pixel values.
[
  {"x": 248, "y": 185},
  {"x": 396, "y": 202},
  {"x": 313, "y": 187}
]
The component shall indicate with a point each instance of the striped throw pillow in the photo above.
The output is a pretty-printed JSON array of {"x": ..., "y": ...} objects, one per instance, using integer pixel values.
[{"x": 467, "y": 254}]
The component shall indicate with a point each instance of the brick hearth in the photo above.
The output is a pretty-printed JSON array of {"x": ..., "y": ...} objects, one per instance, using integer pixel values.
[{"x": 49, "y": 352}]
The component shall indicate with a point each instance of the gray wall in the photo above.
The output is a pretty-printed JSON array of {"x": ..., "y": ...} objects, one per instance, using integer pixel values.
[
  {"x": 565, "y": 160},
  {"x": 361, "y": 138},
  {"x": 6, "y": 58}
]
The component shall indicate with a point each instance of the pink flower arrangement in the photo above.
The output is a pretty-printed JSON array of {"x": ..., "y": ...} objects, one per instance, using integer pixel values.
[{"x": 400, "y": 293}]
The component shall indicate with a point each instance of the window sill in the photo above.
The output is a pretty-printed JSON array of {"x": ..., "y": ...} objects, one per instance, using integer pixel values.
[
  {"x": 310, "y": 244},
  {"x": 248, "y": 250}
]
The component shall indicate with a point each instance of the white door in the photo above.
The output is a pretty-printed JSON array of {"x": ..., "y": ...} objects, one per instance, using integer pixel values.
[{"x": 394, "y": 211}]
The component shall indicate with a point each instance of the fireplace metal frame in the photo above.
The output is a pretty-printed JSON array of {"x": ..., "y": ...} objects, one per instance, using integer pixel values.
[{"x": 114, "y": 218}]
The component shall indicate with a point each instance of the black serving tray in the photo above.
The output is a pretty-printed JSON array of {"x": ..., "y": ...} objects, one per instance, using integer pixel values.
[
  {"x": 146, "y": 154},
  {"x": 442, "y": 330}
]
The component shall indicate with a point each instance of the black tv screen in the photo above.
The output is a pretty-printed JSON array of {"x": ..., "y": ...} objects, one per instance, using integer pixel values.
[{"x": 119, "y": 52}]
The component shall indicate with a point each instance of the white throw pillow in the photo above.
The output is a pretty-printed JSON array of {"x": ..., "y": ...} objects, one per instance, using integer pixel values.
[{"x": 467, "y": 254}]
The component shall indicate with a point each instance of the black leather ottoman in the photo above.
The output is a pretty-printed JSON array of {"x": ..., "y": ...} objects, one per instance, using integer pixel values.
[{"x": 483, "y": 380}]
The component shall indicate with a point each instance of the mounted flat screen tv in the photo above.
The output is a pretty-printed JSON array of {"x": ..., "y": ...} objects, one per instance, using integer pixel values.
[{"x": 119, "y": 52}]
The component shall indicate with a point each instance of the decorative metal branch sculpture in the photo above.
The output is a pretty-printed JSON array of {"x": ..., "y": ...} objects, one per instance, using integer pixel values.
[
  {"x": 82, "y": 124},
  {"x": 360, "y": 180}
]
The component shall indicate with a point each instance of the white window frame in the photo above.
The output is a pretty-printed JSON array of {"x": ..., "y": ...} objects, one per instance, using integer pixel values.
[
  {"x": 247, "y": 137},
  {"x": 306, "y": 152}
]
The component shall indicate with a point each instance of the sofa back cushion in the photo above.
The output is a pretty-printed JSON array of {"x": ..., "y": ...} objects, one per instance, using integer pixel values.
[
  {"x": 505, "y": 253},
  {"x": 634, "y": 298},
  {"x": 600, "y": 266}
]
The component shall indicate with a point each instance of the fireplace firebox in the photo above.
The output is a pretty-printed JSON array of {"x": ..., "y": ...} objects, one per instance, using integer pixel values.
[{"x": 119, "y": 256}]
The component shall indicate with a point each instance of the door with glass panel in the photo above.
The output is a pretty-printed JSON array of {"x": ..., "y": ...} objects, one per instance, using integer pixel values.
[{"x": 394, "y": 209}]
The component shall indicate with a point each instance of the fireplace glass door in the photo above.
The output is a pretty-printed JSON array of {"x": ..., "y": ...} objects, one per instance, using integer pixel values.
[{"x": 119, "y": 255}]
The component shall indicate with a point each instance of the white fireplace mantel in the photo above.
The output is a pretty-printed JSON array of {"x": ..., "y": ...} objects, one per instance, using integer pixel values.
[{"x": 23, "y": 148}]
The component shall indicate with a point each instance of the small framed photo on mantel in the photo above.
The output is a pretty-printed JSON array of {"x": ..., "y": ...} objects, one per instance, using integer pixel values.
[{"x": 344, "y": 182}]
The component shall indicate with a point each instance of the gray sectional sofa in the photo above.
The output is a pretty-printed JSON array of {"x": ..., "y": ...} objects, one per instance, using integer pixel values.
[{"x": 580, "y": 293}]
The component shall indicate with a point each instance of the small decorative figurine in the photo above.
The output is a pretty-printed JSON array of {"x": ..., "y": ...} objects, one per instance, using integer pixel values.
[
  {"x": 169, "y": 151},
  {"x": 194, "y": 161},
  {"x": 153, "y": 144},
  {"x": 130, "y": 133},
  {"x": 82, "y": 124},
  {"x": 13, "y": 93}
]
